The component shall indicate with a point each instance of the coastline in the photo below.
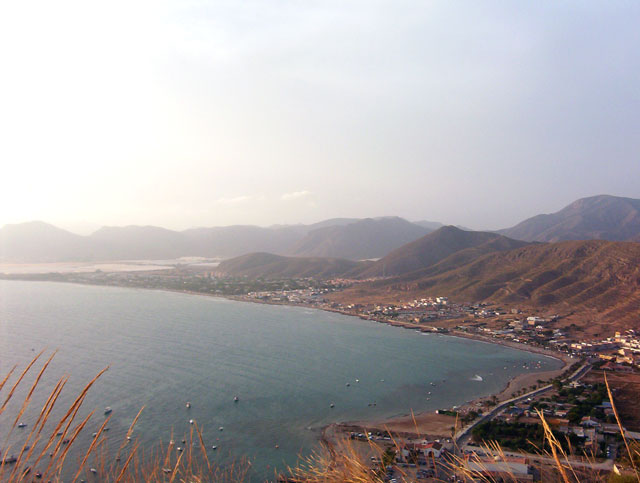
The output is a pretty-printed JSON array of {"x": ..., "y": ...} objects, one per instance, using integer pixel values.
[
  {"x": 428, "y": 423},
  {"x": 422, "y": 422}
]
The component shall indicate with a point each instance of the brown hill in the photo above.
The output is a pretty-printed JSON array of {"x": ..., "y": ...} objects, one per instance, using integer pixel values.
[
  {"x": 267, "y": 265},
  {"x": 437, "y": 246},
  {"x": 601, "y": 217},
  {"x": 595, "y": 276}
]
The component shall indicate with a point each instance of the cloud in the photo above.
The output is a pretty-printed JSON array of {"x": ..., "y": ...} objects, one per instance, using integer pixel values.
[{"x": 295, "y": 195}]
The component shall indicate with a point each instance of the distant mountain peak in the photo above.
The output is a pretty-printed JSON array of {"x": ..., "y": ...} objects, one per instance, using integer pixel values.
[{"x": 603, "y": 217}]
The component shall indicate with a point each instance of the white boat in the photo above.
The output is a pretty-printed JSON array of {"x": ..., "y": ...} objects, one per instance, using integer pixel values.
[
  {"x": 236, "y": 399},
  {"x": 22, "y": 425},
  {"x": 188, "y": 405},
  {"x": 108, "y": 410}
]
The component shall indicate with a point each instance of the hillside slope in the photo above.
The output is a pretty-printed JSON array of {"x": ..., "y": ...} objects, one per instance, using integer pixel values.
[
  {"x": 267, "y": 265},
  {"x": 42, "y": 242},
  {"x": 368, "y": 238},
  {"x": 595, "y": 275},
  {"x": 601, "y": 217},
  {"x": 435, "y": 247}
]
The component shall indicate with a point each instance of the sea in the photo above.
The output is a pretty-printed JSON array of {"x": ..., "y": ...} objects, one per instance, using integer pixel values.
[{"x": 294, "y": 370}]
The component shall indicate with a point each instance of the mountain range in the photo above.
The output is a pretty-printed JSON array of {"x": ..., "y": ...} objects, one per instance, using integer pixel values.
[
  {"x": 447, "y": 243},
  {"x": 599, "y": 217},
  {"x": 339, "y": 237}
]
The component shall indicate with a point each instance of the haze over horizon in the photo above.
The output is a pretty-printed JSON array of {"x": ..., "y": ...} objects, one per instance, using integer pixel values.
[{"x": 184, "y": 114}]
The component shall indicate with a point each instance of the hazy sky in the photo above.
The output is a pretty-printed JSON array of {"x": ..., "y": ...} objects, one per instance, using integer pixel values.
[{"x": 187, "y": 113}]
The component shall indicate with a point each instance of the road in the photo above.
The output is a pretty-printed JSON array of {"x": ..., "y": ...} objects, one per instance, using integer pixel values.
[{"x": 462, "y": 437}]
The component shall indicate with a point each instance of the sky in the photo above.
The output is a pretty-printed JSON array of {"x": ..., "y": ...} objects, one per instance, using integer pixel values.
[{"x": 193, "y": 113}]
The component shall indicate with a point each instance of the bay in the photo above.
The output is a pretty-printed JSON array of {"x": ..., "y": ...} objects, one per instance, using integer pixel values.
[{"x": 287, "y": 365}]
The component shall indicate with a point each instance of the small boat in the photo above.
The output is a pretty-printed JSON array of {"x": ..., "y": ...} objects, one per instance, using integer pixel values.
[
  {"x": 347, "y": 384},
  {"x": 178, "y": 448},
  {"x": 93, "y": 470},
  {"x": 332, "y": 405},
  {"x": 22, "y": 425},
  {"x": 108, "y": 410},
  {"x": 221, "y": 428},
  {"x": 236, "y": 399},
  {"x": 9, "y": 460},
  {"x": 357, "y": 380},
  {"x": 188, "y": 405},
  {"x": 214, "y": 447},
  {"x": 191, "y": 421}
]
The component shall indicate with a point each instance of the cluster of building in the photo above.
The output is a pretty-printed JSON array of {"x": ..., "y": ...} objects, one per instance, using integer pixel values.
[
  {"x": 417, "y": 311},
  {"x": 306, "y": 296},
  {"x": 595, "y": 435},
  {"x": 620, "y": 351}
]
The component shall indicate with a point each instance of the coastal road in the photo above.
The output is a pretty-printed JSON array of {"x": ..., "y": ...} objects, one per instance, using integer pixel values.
[{"x": 462, "y": 437}]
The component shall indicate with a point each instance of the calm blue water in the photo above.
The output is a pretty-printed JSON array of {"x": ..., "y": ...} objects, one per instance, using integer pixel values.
[{"x": 286, "y": 364}]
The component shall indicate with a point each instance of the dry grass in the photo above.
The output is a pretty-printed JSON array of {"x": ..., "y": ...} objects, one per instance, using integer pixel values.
[{"x": 44, "y": 453}]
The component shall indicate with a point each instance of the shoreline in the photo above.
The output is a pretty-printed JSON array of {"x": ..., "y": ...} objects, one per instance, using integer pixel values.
[{"x": 423, "y": 420}]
